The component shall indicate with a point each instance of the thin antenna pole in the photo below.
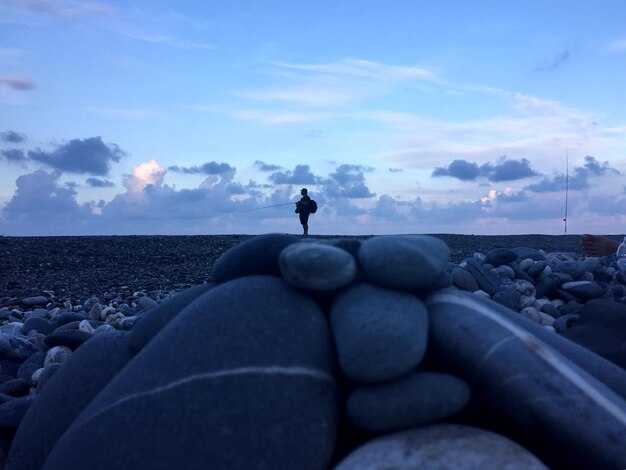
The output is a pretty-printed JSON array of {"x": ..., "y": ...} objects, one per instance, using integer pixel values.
[{"x": 566, "y": 185}]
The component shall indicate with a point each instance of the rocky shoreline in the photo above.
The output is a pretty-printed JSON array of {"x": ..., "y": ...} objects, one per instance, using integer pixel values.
[
  {"x": 76, "y": 268},
  {"x": 445, "y": 336}
]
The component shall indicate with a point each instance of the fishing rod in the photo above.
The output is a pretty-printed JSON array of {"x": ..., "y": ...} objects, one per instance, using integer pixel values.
[{"x": 267, "y": 207}]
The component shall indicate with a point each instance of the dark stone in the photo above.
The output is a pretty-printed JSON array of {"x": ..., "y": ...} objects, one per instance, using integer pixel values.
[
  {"x": 564, "y": 322},
  {"x": 70, "y": 338},
  {"x": 30, "y": 365},
  {"x": 150, "y": 324},
  {"x": 10, "y": 366},
  {"x": 414, "y": 399},
  {"x": 573, "y": 268},
  {"x": 350, "y": 245},
  {"x": 585, "y": 290},
  {"x": 500, "y": 256},
  {"x": 15, "y": 387},
  {"x": 572, "y": 307},
  {"x": 601, "y": 327},
  {"x": 486, "y": 280},
  {"x": 533, "y": 378},
  {"x": 403, "y": 262},
  {"x": 68, "y": 317},
  {"x": 38, "y": 324},
  {"x": 566, "y": 296},
  {"x": 67, "y": 393},
  {"x": 603, "y": 275},
  {"x": 537, "y": 268},
  {"x": 464, "y": 280},
  {"x": 551, "y": 310},
  {"x": 379, "y": 333},
  {"x": 249, "y": 365},
  {"x": 12, "y": 412},
  {"x": 257, "y": 255},
  {"x": 521, "y": 274},
  {"x": 524, "y": 252},
  {"x": 35, "y": 300},
  {"x": 546, "y": 285},
  {"x": 508, "y": 298},
  {"x": 46, "y": 374}
]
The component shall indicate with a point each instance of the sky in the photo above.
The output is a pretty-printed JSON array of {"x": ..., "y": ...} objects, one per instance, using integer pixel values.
[{"x": 399, "y": 116}]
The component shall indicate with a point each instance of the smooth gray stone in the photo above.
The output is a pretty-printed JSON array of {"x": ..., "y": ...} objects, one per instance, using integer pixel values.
[
  {"x": 551, "y": 310},
  {"x": 12, "y": 412},
  {"x": 15, "y": 347},
  {"x": 486, "y": 280},
  {"x": 70, "y": 338},
  {"x": 257, "y": 255},
  {"x": 15, "y": 387},
  {"x": 380, "y": 334},
  {"x": 573, "y": 268},
  {"x": 316, "y": 266},
  {"x": 585, "y": 290},
  {"x": 508, "y": 298},
  {"x": 151, "y": 323},
  {"x": 68, "y": 317},
  {"x": 30, "y": 365},
  {"x": 35, "y": 300},
  {"x": 441, "y": 447},
  {"x": 65, "y": 395},
  {"x": 521, "y": 274},
  {"x": 564, "y": 322},
  {"x": 603, "y": 275},
  {"x": 522, "y": 376},
  {"x": 403, "y": 261},
  {"x": 536, "y": 269},
  {"x": 15, "y": 328},
  {"x": 40, "y": 325},
  {"x": 145, "y": 304},
  {"x": 411, "y": 400},
  {"x": 350, "y": 245},
  {"x": 500, "y": 256},
  {"x": 524, "y": 252},
  {"x": 242, "y": 378}
]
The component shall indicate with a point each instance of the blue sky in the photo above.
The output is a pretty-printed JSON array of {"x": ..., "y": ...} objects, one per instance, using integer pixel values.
[{"x": 164, "y": 117}]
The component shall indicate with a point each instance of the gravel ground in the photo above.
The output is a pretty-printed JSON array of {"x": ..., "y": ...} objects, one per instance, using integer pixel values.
[{"x": 77, "y": 267}]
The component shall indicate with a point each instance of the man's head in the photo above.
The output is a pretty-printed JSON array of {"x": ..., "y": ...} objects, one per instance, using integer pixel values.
[{"x": 303, "y": 191}]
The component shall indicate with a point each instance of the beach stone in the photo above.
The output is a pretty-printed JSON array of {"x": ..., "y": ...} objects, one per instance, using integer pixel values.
[
  {"x": 350, "y": 245},
  {"x": 57, "y": 355},
  {"x": 524, "y": 252},
  {"x": 145, "y": 304},
  {"x": 501, "y": 355},
  {"x": 403, "y": 261},
  {"x": 249, "y": 364},
  {"x": 379, "y": 333},
  {"x": 537, "y": 269},
  {"x": 96, "y": 311},
  {"x": 15, "y": 347},
  {"x": 521, "y": 274},
  {"x": 500, "y": 256},
  {"x": 14, "y": 328},
  {"x": 151, "y": 323},
  {"x": 572, "y": 268},
  {"x": 551, "y": 310},
  {"x": 9, "y": 367},
  {"x": 564, "y": 322},
  {"x": 38, "y": 324},
  {"x": 604, "y": 275},
  {"x": 257, "y": 255},
  {"x": 464, "y": 280},
  {"x": 68, "y": 317},
  {"x": 504, "y": 273},
  {"x": 508, "y": 298},
  {"x": 601, "y": 328},
  {"x": 30, "y": 365},
  {"x": 15, "y": 387},
  {"x": 65, "y": 395},
  {"x": 592, "y": 264},
  {"x": 70, "y": 338},
  {"x": 413, "y": 399},
  {"x": 545, "y": 286},
  {"x": 35, "y": 300},
  {"x": 46, "y": 374},
  {"x": 487, "y": 281},
  {"x": 316, "y": 266},
  {"x": 12, "y": 412},
  {"x": 584, "y": 289},
  {"x": 531, "y": 313},
  {"x": 441, "y": 446}
]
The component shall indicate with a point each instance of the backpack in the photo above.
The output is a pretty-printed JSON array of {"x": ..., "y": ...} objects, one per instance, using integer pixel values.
[{"x": 312, "y": 206}]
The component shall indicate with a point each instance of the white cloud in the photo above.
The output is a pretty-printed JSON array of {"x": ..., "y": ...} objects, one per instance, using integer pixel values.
[{"x": 618, "y": 45}]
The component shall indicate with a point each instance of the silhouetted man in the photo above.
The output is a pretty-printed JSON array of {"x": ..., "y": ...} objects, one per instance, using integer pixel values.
[{"x": 302, "y": 210}]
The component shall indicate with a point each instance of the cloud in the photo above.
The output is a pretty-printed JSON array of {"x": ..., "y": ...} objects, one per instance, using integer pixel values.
[
  {"x": 63, "y": 9},
  {"x": 41, "y": 205},
  {"x": 618, "y": 45},
  {"x": 89, "y": 155},
  {"x": 99, "y": 183},
  {"x": 12, "y": 137},
  {"x": 459, "y": 169},
  {"x": 166, "y": 40},
  {"x": 395, "y": 170},
  {"x": 348, "y": 181},
  {"x": 577, "y": 180},
  {"x": 144, "y": 175},
  {"x": 508, "y": 170},
  {"x": 262, "y": 166},
  {"x": 17, "y": 83},
  {"x": 14, "y": 155},
  {"x": 503, "y": 170},
  {"x": 210, "y": 168},
  {"x": 300, "y": 175}
]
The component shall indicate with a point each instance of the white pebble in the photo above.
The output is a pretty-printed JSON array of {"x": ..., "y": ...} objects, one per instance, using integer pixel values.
[
  {"x": 482, "y": 293},
  {"x": 86, "y": 326},
  {"x": 57, "y": 355}
]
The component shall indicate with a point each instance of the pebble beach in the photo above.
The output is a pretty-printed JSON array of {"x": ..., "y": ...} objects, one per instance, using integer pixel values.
[{"x": 393, "y": 344}]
